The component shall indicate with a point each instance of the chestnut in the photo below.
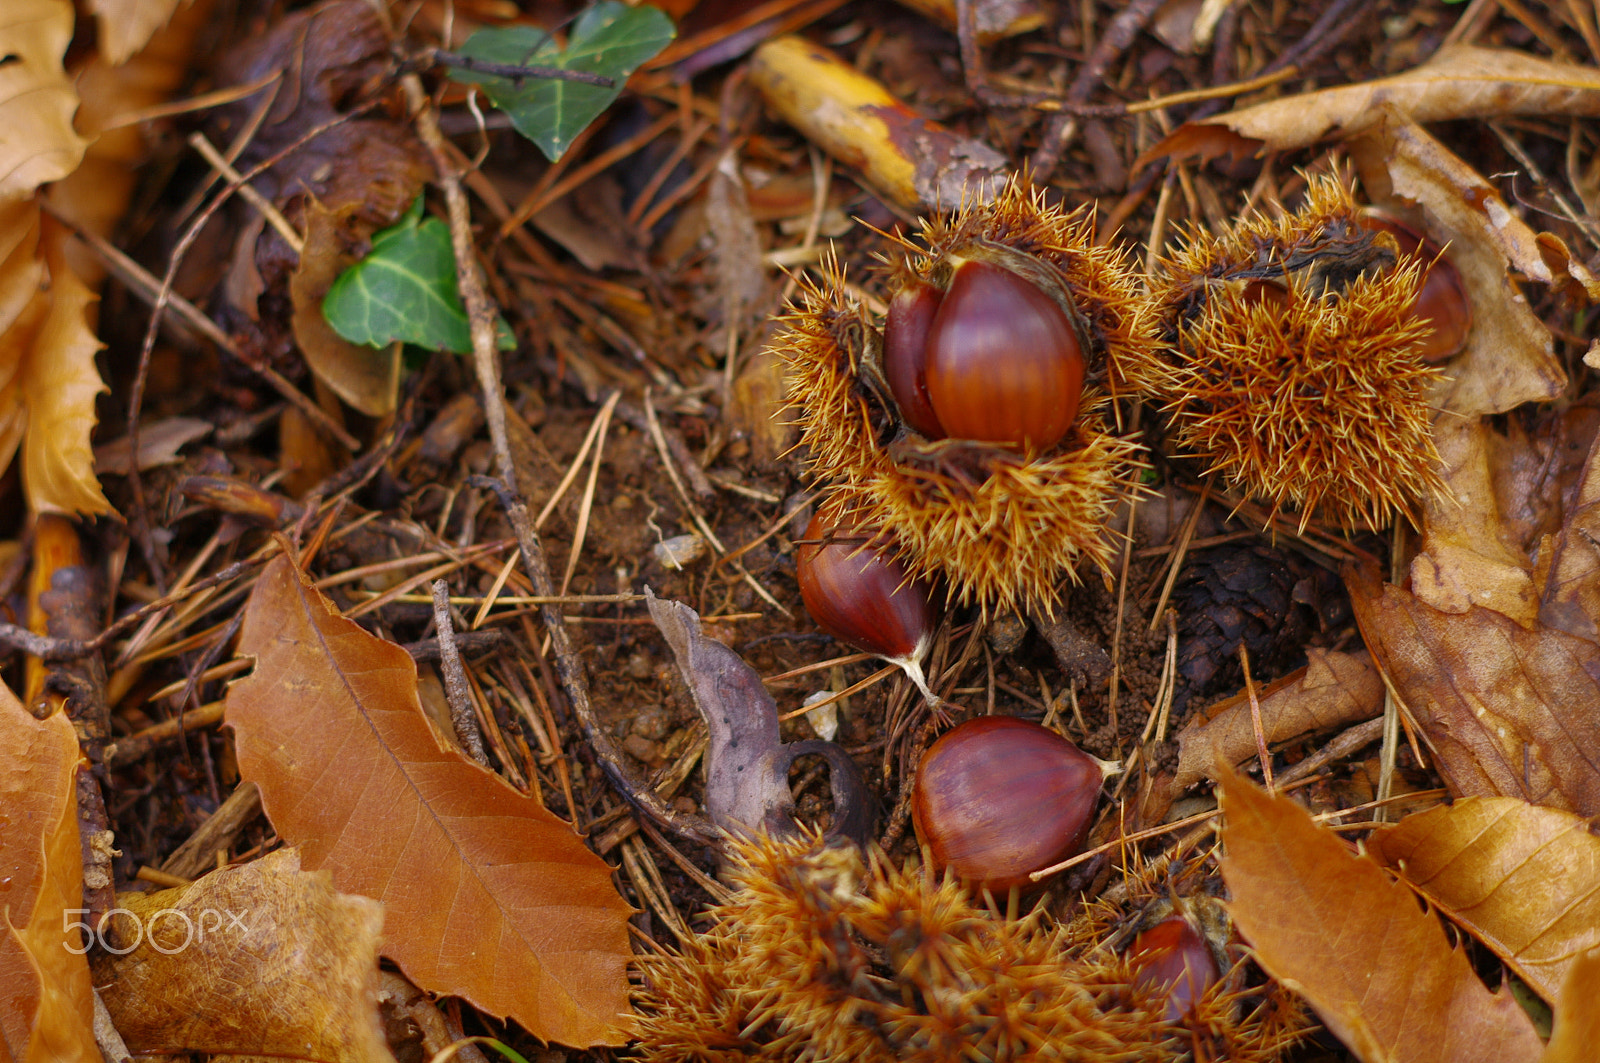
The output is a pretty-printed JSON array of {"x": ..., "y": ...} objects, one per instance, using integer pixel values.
[
  {"x": 860, "y": 595},
  {"x": 994, "y": 358},
  {"x": 1172, "y": 954},
  {"x": 905, "y": 354},
  {"x": 1442, "y": 297},
  {"x": 997, "y": 798}
]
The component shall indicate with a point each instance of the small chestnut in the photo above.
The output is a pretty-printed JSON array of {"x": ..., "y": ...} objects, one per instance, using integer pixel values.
[
  {"x": 1442, "y": 298},
  {"x": 1173, "y": 955},
  {"x": 861, "y": 596},
  {"x": 994, "y": 358},
  {"x": 997, "y": 798}
]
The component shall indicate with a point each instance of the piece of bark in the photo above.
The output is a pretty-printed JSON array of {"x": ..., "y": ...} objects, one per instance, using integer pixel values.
[{"x": 918, "y": 163}]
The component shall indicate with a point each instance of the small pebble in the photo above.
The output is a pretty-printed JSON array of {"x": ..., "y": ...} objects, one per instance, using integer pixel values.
[
  {"x": 679, "y": 551},
  {"x": 651, "y": 722},
  {"x": 640, "y": 666},
  {"x": 641, "y": 749}
]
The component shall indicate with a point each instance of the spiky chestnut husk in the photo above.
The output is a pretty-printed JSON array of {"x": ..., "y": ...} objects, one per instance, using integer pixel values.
[
  {"x": 1297, "y": 368},
  {"x": 1001, "y": 525},
  {"x": 824, "y": 954}
]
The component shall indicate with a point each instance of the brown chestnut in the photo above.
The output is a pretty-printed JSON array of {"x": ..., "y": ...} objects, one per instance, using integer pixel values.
[
  {"x": 862, "y": 596},
  {"x": 1442, "y": 298},
  {"x": 1173, "y": 955},
  {"x": 997, "y": 798},
  {"x": 905, "y": 354},
  {"x": 994, "y": 358}
]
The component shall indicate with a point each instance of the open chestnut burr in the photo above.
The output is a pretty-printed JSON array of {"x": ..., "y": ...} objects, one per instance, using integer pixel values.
[{"x": 973, "y": 427}]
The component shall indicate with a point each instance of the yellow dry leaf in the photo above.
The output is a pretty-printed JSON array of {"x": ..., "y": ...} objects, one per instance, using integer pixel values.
[
  {"x": 1524, "y": 880},
  {"x": 1463, "y": 81},
  {"x": 263, "y": 958},
  {"x": 59, "y": 383},
  {"x": 37, "y": 141},
  {"x": 127, "y": 25},
  {"x": 48, "y": 1010}
]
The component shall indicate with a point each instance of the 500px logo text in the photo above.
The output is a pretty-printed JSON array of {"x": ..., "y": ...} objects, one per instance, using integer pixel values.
[{"x": 120, "y": 931}]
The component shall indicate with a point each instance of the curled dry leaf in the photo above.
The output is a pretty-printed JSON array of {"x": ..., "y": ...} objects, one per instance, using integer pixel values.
[
  {"x": 1522, "y": 879},
  {"x": 1509, "y": 357},
  {"x": 59, "y": 385},
  {"x": 1462, "y": 81},
  {"x": 47, "y": 1015},
  {"x": 1333, "y": 690},
  {"x": 37, "y": 141},
  {"x": 487, "y": 895},
  {"x": 1464, "y": 558},
  {"x": 1506, "y": 711},
  {"x": 367, "y": 378},
  {"x": 1333, "y": 927},
  {"x": 747, "y": 764},
  {"x": 263, "y": 958}
]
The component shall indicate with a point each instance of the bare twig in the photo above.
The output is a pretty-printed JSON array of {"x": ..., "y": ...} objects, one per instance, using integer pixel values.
[
  {"x": 481, "y": 314},
  {"x": 455, "y": 677}
]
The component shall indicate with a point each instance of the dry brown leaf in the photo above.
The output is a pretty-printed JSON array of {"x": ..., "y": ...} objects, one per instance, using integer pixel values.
[
  {"x": 1506, "y": 711},
  {"x": 37, "y": 141},
  {"x": 1509, "y": 358},
  {"x": 1464, "y": 560},
  {"x": 159, "y": 443},
  {"x": 126, "y": 26},
  {"x": 263, "y": 958},
  {"x": 1570, "y": 597},
  {"x": 1524, "y": 880},
  {"x": 367, "y": 379},
  {"x": 1577, "y": 1020},
  {"x": 1538, "y": 464},
  {"x": 47, "y": 1015},
  {"x": 1462, "y": 81},
  {"x": 1333, "y": 927},
  {"x": 487, "y": 896},
  {"x": 1333, "y": 690}
]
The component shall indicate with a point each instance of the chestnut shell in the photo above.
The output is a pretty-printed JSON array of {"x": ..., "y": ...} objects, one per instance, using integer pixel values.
[
  {"x": 997, "y": 798},
  {"x": 860, "y": 596}
]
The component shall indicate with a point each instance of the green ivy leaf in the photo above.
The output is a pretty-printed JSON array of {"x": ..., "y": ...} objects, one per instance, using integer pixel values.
[
  {"x": 405, "y": 289},
  {"x": 609, "y": 39}
]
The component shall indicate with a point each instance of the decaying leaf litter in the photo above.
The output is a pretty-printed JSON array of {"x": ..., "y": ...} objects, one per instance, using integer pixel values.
[{"x": 272, "y": 473}]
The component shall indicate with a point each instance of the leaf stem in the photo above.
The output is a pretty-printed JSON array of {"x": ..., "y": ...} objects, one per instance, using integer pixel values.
[{"x": 518, "y": 72}]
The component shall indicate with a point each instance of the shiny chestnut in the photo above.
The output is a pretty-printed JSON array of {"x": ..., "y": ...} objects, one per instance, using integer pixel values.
[
  {"x": 905, "y": 354},
  {"x": 1174, "y": 955},
  {"x": 994, "y": 358},
  {"x": 862, "y": 596},
  {"x": 1442, "y": 298},
  {"x": 997, "y": 798}
]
